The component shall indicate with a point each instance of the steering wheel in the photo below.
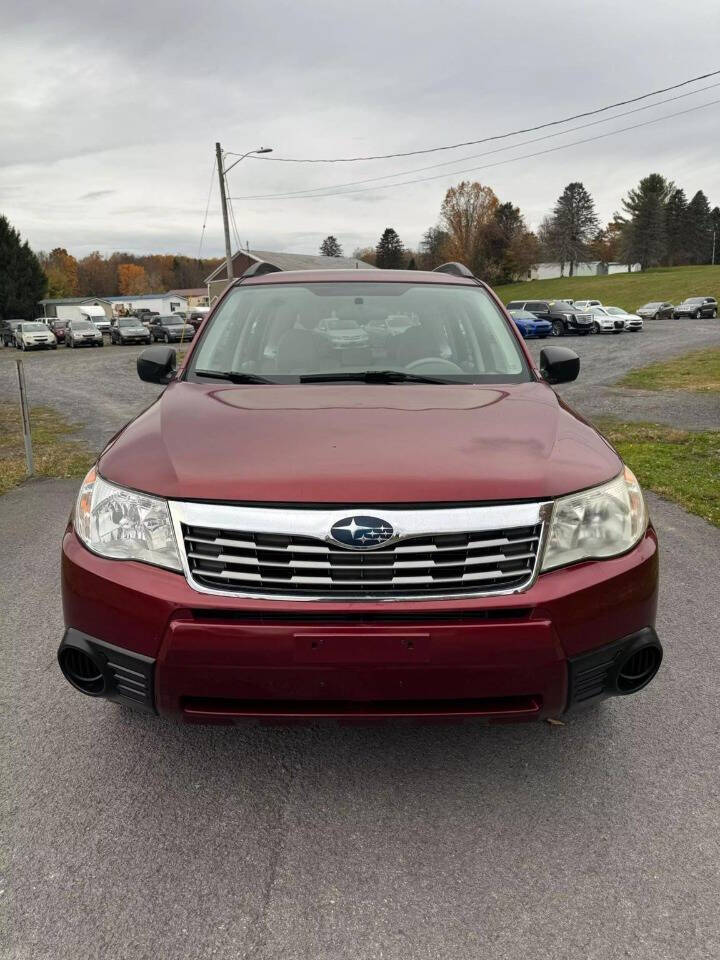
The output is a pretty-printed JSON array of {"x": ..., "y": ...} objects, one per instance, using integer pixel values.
[{"x": 431, "y": 365}]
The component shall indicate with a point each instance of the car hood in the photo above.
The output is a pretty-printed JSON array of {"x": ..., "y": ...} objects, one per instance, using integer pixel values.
[{"x": 358, "y": 443}]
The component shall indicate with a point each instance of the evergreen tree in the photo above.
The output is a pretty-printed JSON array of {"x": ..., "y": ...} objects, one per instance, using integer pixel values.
[
  {"x": 645, "y": 228},
  {"x": 699, "y": 229},
  {"x": 676, "y": 223},
  {"x": 22, "y": 281},
  {"x": 574, "y": 224},
  {"x": 330, "y": 247},
  {"x": 411, "y": 264},
  {"x": 390, "y": 253},
  {"x": 715, "y": 239}
]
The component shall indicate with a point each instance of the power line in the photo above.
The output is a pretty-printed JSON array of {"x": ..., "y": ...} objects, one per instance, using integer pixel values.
[
  {"x": 499, "y": 163},
  {"x": 207, "y": 208},
  {"x": 499, "y": 136},
  {"x": 446, "y": 163}
]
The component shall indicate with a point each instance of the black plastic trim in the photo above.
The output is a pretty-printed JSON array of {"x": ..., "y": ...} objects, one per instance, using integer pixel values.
[
  {"x": 129, "y": 677},
  {"x": 593, "y": 676}
]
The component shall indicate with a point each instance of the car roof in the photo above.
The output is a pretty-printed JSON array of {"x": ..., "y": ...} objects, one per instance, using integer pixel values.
[{"x": 359, "y": 276}]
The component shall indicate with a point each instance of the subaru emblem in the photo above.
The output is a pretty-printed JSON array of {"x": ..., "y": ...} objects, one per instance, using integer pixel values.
[{"x": 361, "y": 533}]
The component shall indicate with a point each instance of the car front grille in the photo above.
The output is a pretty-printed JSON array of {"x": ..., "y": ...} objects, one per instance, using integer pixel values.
[{"x": 250, "y": 562}]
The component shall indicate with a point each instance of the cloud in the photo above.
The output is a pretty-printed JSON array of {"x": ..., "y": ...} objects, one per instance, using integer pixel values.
[
  {"x": 144, "y": 94},
  {"x": 96, "y": 194}
]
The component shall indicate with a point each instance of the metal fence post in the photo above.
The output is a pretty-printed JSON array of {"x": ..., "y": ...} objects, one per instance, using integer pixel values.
[{"x": 25, "y": 412}]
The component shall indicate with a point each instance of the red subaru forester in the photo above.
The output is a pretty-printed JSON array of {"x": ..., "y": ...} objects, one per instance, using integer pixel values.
[{"x": 359, "y": 497}]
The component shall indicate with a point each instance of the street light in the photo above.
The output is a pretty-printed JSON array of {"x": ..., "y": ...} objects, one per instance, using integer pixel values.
[{"x": 222, "y": 172}]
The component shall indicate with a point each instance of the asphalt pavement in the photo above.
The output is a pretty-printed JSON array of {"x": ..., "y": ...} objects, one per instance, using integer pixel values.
[{"x": 131, "y": 837}]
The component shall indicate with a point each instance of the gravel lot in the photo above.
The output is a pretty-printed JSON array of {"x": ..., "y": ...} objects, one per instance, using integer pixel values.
[
  {"x": 131, "y": 837},
  {"x": 100, "y": 388}
]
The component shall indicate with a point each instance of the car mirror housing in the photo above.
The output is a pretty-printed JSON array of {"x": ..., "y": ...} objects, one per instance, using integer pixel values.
[
  {"x": 558, "y": 364},
  {"x": 157, "y": 364}
]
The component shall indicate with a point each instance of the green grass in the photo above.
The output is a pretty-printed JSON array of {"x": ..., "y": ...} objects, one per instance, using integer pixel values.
[
  {"x": 56, "y": 450},
  {"x": 698, "y": 371},
  {"x": 680, "y": 465},
  {"x": 627, "y": 290}
]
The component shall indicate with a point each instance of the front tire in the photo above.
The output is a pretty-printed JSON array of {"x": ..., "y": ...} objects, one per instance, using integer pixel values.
[
  {"x": 596, "y": 327},
  {"x": 697, "y": 315},
  {"x": 558, "y": 328},
  {"x": 713, "y": 315}
]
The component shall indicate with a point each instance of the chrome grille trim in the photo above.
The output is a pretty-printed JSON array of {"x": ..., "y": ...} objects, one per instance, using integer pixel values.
[{"x": 434, "y": 553}]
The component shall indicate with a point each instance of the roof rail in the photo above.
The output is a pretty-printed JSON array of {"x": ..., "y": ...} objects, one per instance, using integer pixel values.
[
  {"x": 259, "y": 269},
  {"x": 456, "y": 269}
]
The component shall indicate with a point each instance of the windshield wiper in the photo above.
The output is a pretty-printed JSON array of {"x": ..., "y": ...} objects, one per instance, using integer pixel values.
[
  {"x": 232, "y": 376},
  {"x": 371, "y": 376}
]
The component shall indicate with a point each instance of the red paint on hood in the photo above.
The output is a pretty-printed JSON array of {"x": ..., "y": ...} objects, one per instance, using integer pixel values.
[{"x": 358, "y": 444}]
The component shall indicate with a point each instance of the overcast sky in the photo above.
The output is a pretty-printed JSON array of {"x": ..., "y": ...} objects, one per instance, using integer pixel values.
[{"x": 109, "y": 112}]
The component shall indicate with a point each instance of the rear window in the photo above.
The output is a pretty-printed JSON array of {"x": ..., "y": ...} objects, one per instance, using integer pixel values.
[{"x": 275, "y": 331}]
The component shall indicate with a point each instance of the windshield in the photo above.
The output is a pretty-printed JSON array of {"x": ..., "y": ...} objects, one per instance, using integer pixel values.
[
  {"x": 615, "y": 311},
  {"x": 651, "y": 305},
  {"x": 276, "y": 331},
  {"x": 694, "y": 300},
  {"x": 129, "y": 323},
  {"x": 34, "y": 328},
  {"x": 82, "y": 325}
]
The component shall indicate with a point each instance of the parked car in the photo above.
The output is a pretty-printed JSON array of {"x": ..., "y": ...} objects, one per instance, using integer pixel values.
[
  {"x": 656, "y": 310},
  {"x": 342, "y": 333},
  {"x": 34, "y": 335},
  {"x": 304, "y": 535},
  {"x": 696, "y": 307},
  {"x": 633, "y": 322},
  {"x": 586, "y": 304},
  {"x": 146, "y": 316},
  {"x": 169, "y": 329},
  {"x": 531, "y": 326},
  {"x": 563, "y": 318},
  {"x": 7, "y": 332},
  {"x": 606, "y": 320},
  {"x": 382, "y": 329},
  {"x": 197, "y": 317},
  {"x": 83, "y": 333},
  {"x": 102, "y": 323},
  {"x": 129, "y": 330},
  {"x": 58, "y": 326}
]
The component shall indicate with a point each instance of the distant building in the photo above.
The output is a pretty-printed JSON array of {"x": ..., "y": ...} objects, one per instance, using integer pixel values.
[
  {"x": 217, "y": 281},
  {"x": 195, "y": 296},
  {"x": 71, "y": 308},
  {"x": 594, "y": 268},
  {"x": 162, "y": 303}
]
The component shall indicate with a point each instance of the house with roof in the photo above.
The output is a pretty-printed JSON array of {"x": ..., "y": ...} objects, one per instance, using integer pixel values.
[
  {"x": 195, "y": 296},
  {"x": 217, "y": 281},
  {"x": 162, "y": 303}
]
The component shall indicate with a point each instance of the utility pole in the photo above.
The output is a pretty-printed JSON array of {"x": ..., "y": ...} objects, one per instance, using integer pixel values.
[{"x": 223, "y": 201}]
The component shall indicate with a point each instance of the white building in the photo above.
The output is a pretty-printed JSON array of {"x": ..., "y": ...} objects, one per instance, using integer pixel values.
[
  {"x": 594, "y": 268},
  {"x": 162, "y": 303}
]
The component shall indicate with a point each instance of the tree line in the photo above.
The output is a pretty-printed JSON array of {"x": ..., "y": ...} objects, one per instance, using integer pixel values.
[{"x": 657, "y": 226}]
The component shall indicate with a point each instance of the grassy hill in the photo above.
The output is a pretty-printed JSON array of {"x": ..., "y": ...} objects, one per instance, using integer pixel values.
[{"x": 627, "y": 290}]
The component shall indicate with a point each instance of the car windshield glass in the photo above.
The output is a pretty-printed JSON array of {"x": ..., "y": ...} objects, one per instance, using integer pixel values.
[
  {"x": 333, "y": 324},
  {"x": 34, "y": 328},
  {"x": 694, "y": 300},
  {"x": 649, "y": 306},
  {"x": 277, "y": 331},
  {"x": 129, "y": 323},
  {"x": 82, "y": 325},
  {"x": 616, "y": 311},
  {"x": 562, "y": 305}
]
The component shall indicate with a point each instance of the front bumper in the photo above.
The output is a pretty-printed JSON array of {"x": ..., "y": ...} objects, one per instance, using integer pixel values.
[{"x": 224, "y": 658}]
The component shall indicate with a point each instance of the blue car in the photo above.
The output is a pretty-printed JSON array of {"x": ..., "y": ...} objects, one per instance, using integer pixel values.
[{"x": 529, "y": 325}]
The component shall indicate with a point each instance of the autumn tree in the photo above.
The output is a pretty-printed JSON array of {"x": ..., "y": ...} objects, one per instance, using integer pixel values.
[
  {"x": 390, "y": 253},
  {"x": 465, "y": 214},
  {"x": 96, "y": 276},
  {"x": 366, "y": 254},
  {"x": 61, "y": 269},
  {"x": 330, "y": 247},
  {"x": 433, "y": 248},
  {"x": 132, "y": 279},
  {"x": 606, "y": 245},
  {"x": 22, "y": 279}
]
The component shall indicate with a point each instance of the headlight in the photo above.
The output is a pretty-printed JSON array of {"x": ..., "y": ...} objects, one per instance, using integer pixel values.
[
  {"x": 124, "y": 525},
  {"x": 597, "y": 523}
]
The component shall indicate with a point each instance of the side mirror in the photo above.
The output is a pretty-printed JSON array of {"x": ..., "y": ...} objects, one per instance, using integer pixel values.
[
  {"x": 157, "y": 364},
  {"x": 557, "y": 364}
]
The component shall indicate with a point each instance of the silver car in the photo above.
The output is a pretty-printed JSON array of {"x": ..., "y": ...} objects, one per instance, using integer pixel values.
[{"x": 34, "y": 335}]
